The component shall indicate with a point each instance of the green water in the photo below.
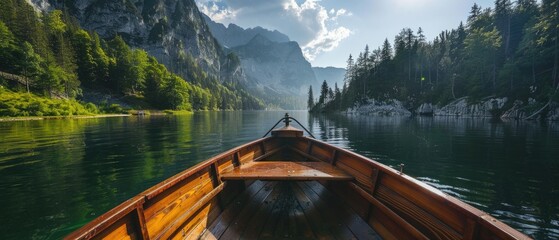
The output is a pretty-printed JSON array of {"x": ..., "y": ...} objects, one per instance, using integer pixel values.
[{"x": 56, "y": 175}]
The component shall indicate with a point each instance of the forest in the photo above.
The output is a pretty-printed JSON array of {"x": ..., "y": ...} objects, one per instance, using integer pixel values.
[
  {"x": 50, "y": 56},
  {"x": 510, "y": 50}
]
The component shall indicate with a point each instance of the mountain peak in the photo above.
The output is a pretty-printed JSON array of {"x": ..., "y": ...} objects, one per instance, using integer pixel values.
[
  {"x": 259, "y": 40},
  {"x": 234, "y": 35}
]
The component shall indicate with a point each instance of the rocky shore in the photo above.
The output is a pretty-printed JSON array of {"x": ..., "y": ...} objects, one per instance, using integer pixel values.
[{"x": 490, "y": 107}]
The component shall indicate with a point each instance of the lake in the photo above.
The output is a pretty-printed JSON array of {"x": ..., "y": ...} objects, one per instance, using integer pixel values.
[{"x": 56, "y": 175}]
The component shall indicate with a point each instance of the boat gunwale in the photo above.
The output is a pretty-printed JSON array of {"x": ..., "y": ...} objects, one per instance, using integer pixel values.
[
  {"x": 479, "y": 216},
  {"x": 172, "y": 181},
  {"x": 475, "y": 218},
  {"x": 99, "y": 224}
]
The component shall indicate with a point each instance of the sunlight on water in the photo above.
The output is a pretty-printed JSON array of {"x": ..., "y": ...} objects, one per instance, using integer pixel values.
[{"x": 61, "y": 174}]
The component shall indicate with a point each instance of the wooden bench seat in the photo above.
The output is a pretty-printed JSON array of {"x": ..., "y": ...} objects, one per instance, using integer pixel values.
[{"x": 286, "y": 170}]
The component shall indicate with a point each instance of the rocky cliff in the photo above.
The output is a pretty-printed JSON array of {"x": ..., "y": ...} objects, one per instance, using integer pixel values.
[
  {"x": 234, "y": 36},
  {"x": 492, "y": 107},
  {"x": 372, "y": 107},
  {"x": 279, "y": 66},
  {"x": 275, "y": 67},
  {"x": 171, "y": 31}
]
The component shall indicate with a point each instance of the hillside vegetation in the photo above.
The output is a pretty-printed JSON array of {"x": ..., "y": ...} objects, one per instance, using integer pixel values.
[
  {"x": 59, "y": 59},
  {"x": 509, "y": 51}
]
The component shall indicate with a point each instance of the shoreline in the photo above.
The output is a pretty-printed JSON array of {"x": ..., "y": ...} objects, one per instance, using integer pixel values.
[{"x": 35, "y": 118}]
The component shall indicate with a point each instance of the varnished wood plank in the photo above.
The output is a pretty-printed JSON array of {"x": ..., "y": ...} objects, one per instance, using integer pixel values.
[
  {"x": 163, "y": 200},
  {"x": 193, "y": 208},
  {"x": 236, "y": 159},
  {"x": 267, "y": 230},
  {"x": 337, "y": 225},
  {"x": 107, "y": 220},
  {"x": 219, "y": 225},
  {"x": 283, "y": 170},
  {"x": 355, "y": 223},
  {"x": 172, "y": 181},
  {"x": 121, "y": 229},
  {"x": 430, "y": 226},
  {"x": 238, "y": 225},
  {"x": 207, "y": 235},
  {"x": 427, "y": 201},
  {"x": 320, "y": 229},
  {"x": 286, "y": 217},
  {"x": 306, "y": 155},
  {"x": 291, "y": 221},
  {"x": 334, "y": 156},
  {"x": 257, "y": 222},
  {"x": 142, "y": 221},
  {"x": 355, "y": 201},
  {"x": 402, "y": 224},
  {"x": 471, "y": 230},
  {"x": 269, "y": 153},
  {"x": 166, "y": 218},
  {"x": 193, "y": 227}
]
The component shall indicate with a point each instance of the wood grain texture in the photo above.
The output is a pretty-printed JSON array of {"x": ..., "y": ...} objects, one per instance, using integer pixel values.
[
  {"x": 195, "y": 203},
  {"x": 267, "y": 170},
  {"x": 291, "y": 209}
]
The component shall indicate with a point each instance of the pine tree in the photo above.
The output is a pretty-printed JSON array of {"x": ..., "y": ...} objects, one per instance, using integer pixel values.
[
  {"x": 310, "y": 101},
  {"x": 323, "y": 92}
]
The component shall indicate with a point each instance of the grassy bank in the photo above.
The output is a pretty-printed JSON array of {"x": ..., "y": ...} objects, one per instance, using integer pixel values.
[{"x": 17, "y": 106}]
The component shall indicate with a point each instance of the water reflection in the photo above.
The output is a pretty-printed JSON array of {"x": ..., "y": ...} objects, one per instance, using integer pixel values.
[
  {"x": 509, "y": 169},
  {"x": 60, "y": 174}
]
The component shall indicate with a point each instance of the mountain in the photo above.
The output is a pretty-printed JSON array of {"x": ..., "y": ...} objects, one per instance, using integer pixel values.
[
  {"x": 174, "y": 32},
  {"x": 111, "y": 56},
  {"x": 275, "y": 67},
  {"x": 332, "y": 75},
  {"x": 233, "y": 35},
  {"x": 279, "y": 66}
]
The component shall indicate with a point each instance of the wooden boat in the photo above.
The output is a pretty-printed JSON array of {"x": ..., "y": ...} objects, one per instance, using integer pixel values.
[{"x": 292, "y": 186}]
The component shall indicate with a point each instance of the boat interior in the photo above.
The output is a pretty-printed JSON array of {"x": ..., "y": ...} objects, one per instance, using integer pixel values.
[{"x": 291, "y": 186}]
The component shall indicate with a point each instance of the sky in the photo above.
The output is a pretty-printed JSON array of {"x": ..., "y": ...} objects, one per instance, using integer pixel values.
[{"x": 329, "y": 30}]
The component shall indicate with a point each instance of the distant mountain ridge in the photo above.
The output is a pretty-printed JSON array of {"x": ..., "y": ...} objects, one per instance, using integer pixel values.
[
  {"x": 280, "y": 66},
  {"x": 332, "y": 75},
  {"x": 274, "y": 66},
  {"x": 233, "y": 35}
]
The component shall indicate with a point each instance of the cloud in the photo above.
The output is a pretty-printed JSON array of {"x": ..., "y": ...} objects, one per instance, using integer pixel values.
[
  {"x": 314, "y": 27},
  {"x": 216, "y": 12}
]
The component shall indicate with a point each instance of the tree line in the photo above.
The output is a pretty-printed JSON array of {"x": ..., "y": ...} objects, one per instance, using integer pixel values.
[
  {"x": 59, "y": 58},
  {"x": 510, "y": 50}
]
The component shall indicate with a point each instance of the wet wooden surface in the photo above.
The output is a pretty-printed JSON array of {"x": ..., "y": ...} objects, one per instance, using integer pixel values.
[
  {"x": 278, "y": 170},
  {"x": 289, "y": 209}
]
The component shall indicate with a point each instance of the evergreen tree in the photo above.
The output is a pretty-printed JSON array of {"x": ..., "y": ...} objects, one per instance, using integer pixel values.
[
  {"x": 323, "y": 92},
  {"x": 310, "y": 101},
  {"x": 31, "y": 64}
]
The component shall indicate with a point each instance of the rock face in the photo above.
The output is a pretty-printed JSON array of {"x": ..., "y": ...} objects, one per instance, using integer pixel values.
[
  {"x": 425, "y": 109},
  {"x": 271, "y": 62},
  {"x": 278, "y": 66},
  {"x": 553, "y": 114},
  {"x": 461, "y": 108},
  {"x": 39, "y": 5},
  {"x": 380, "y": 108},
  {"x": 234, "y": 36},
  {"x": 167, "y": 30}
]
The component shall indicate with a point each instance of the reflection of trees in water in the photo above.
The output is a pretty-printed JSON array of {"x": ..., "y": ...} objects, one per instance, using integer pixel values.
[
  {"x": 37, "y": 158},
  {"x": 509, "y": 169}
]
